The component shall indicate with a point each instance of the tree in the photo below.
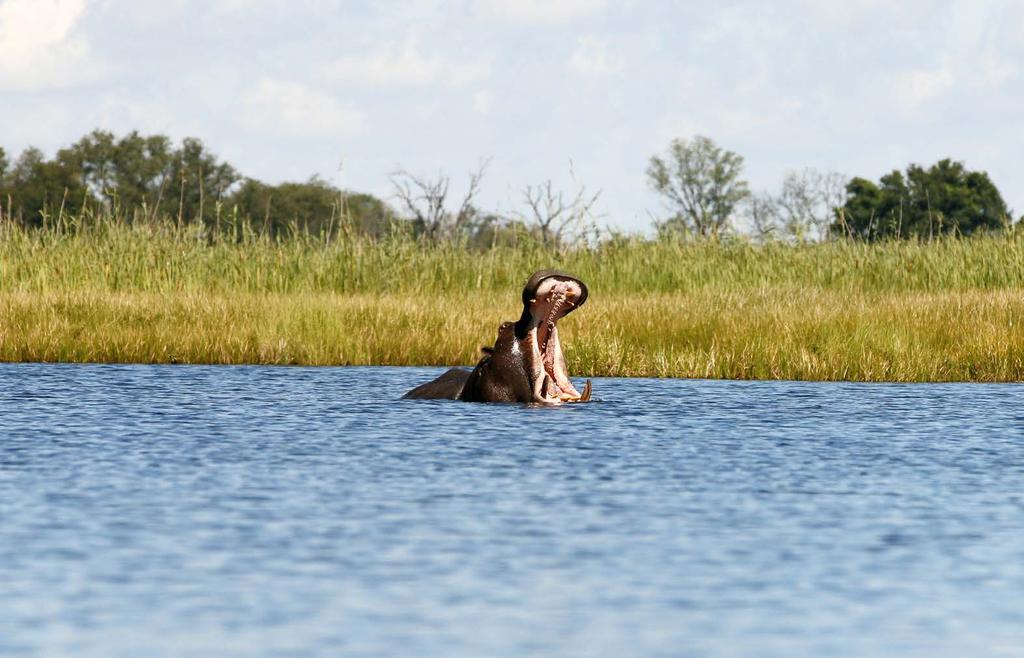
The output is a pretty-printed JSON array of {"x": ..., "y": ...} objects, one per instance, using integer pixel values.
[
  {"x": 763, "y": 212},
  {"x": 556, "y": 219},
  {"x": 491, "y": 229},
  {"x": 426, "y": 200},
  {"x": 129, "y": 174},
  {"x": 315, "y": 207},
  {"x": 4, "y": 190},
  {"x": 368, "y": 215},
  {"x": 275, "y": 209},
  {"x": 865, "y": 203},
  {"x": 144, "y": 174},
  {"x": 144, "y": 171},
  {"x": 41, "y": 188},
  {"x": 808, "y": 201},
  {"x": 93, "y": 156},
  {"x": 201, "y": 179},
  {"x": 803, "y": 209},
  {"x": 701, "y": 183},
  {"x": 147, "y": 176},
  {"x": 945, "y": 198}
]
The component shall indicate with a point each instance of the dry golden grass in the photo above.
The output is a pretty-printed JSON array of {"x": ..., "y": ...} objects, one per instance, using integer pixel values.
[
  {"x": 91, "y": 289},
  {"x": 775, "y": 332}
]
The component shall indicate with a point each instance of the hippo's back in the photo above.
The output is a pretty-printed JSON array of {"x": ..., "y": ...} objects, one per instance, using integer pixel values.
[{"x": 446, "y": 387}]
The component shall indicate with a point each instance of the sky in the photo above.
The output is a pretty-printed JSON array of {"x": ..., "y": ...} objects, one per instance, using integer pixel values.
[{"x": 580, "y": 92}]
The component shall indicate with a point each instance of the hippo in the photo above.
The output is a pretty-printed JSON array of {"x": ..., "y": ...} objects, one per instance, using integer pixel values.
[{"x": 526, "y": 363}]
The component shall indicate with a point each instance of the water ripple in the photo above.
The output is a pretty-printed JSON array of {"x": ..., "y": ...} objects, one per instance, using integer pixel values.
[{"x": 250, "y": 511}]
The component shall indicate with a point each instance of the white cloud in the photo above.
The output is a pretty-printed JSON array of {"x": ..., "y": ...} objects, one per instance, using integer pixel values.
[
  {"x": 152, "y": 113},
  {"x": 591, "y": 58},
  {"x": 38, "y": 45},
  {"x": 27, "y": 26},
  {"x": 677, "y": 127},
  {"x": 738, "y": 122},
  {"x": 157, "y": 15},
  {"x": 143, "y": 14},
  {"x": 291, "y": 108},
  {"x": 43, "y": 125},
  {"x": 228, "y": 6},
  {"x": 540, "y": 11},
  {"x": 405, "y": 66},
  {"x": 848, "y": 10},
  {"x": 482, "y": 101},
  {"x": 921, "y": 86},
  {"x": 994, "y": 69}
]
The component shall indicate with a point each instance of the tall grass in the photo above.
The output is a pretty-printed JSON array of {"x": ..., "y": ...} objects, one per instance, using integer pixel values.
[{"x": 897, "y": 311}]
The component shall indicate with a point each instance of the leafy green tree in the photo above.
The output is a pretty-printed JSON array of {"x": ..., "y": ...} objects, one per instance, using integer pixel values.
[
  {"x": 143, "y": 171},
  {"x": 491, "y": 230},
  {"x": 39, "y": 188},
  {"x": 701, "y": 183},
  {"x": 276, "y": 209},
  {"x": 132, "y": 173},
  {"x": 369, "y": 215},
  {"x": 93, "y": 155},
  {"x": 942, "y": 199},
  {"x": 201, "y": 180},
  {"x": 139, "y": 173},
  {"x": 314, "y": 206}
]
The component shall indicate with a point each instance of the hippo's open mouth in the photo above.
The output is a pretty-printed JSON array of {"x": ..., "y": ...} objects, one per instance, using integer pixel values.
[
  {"x": 526, "y": 364},
  {"x": 547, "y": 298}
]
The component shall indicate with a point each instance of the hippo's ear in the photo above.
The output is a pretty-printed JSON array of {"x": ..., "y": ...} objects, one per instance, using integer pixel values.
[{"x": 486, "y": 350}]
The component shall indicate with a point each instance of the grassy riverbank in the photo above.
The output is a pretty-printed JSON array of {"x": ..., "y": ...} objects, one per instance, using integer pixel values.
[{"x": 949, "y": 310}]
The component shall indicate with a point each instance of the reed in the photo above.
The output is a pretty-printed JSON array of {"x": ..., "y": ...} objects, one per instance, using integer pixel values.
[{"x": 948, "y": 310}]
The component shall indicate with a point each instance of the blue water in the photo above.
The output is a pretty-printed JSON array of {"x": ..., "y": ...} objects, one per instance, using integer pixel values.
[{"x": 252, "y": 511}]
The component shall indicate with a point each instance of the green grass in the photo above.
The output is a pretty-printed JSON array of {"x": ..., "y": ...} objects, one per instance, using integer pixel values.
[{"x": 897, "y": 311}]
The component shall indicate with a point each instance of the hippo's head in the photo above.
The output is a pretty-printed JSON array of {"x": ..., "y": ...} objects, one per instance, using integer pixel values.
[
  {"x": 548, "y": 296},
  {"x": 526, "y": 363}
]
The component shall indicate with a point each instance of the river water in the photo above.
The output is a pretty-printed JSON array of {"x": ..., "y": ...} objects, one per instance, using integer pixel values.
[{"x": 256, "y": 511}]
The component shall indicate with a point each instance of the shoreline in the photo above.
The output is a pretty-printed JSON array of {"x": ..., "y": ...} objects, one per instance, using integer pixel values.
[{"x": 469, "y": 366}]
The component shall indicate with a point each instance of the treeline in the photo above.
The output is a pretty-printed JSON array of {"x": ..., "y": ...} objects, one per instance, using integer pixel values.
[
  {"x": 704, "y": 189},
  {"x": 140, "y": 178},
  {"x": 148, "y": 178}
]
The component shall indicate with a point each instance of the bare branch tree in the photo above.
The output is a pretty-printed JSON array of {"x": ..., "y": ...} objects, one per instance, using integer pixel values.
[
  {"x": 466, "y": 213},
  {"x": 425, "y": 200},
  {"x": 808, "y": 201},
  {"x": 557, "y": 219},
  {"x": 763, "y": 212},
  {"x": 833, "y": 198}
]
